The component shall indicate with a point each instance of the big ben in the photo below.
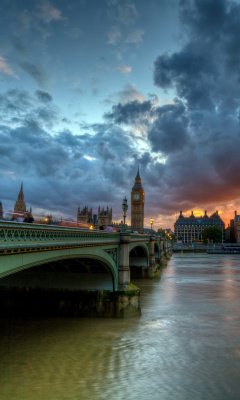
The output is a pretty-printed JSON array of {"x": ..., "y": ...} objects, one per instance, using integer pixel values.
[{"x": 137, "y": 205}]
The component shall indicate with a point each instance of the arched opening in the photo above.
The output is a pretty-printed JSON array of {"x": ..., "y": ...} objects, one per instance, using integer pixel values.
[
  {"x": 70, "y": 286},
  {"x": 138, "y": 261},
  {"x": 70, "y": 273},
  {"x": 157, "y": 251}
]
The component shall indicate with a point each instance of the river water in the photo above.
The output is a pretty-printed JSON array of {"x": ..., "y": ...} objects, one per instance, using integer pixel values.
[{"x": 186, "y": 344}]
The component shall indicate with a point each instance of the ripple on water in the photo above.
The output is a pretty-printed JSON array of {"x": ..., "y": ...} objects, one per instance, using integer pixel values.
[{"x": 185, "y": 345}]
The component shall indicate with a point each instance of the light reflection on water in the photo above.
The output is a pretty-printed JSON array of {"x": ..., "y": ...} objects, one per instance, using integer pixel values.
[{"x": 185, "y": 346}]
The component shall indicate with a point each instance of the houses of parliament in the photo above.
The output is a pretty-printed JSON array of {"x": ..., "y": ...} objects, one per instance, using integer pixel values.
[
  {"x": 85, "y": 215},
  {"x": 104, "y": 217}
]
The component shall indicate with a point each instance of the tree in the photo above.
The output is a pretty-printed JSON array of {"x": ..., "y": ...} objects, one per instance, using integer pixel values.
[{"x": 212, "y": 233}]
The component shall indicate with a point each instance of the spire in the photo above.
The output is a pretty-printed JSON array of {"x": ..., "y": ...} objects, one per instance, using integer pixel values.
[
  {"x": 21, "y": 195},
  {"x": 20, "y": 203},
  {"x": 137, "y": 184},
  {"x": 138, "y": 175}
]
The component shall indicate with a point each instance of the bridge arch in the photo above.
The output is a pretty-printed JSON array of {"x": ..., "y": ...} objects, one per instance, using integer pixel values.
[
  {"x": 96, "y": 262},
  {"x": 157, "y": 250},
  {"x": 138, "y": 255}
]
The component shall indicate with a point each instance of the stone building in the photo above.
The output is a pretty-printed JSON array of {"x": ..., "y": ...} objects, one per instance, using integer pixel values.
[
  {"x": 20, "y": 210},
  {"x": 137, "y": 205},
  {"x": 20, "y": 205},
  {"x": 104, "y": 216},
  {"x": 229, "y": 232},
  {"x": 237, "y": 227},
  {"x": 84, "y": 215},
  {"x": 188, "y": 229}
]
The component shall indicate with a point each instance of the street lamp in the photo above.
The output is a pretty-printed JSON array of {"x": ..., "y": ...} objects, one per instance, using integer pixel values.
[
  {"x": 151, "y": 223},
  {"x": 124, "y": 207}
]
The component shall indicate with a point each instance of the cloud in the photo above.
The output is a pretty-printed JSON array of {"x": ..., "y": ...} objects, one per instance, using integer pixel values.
[
  {"x": 114, "y": 36},
  {"x": 200, "y": 132},
  {"x": 74, "y": 32},
  {"x": 18, "y": 107},
  {"x": 122, "y": 12},
  {"x": 56, "y": 161},
  {"x": 5, "y": 68},
  {"x": 169, "y": 133},
  {"x": 37, "y": 72},
  {"x": 191, "y": 152},
  {"x": 13, "y": 104},
  {"x": 130, "y": 93},
  {"x": 43, "y": 96},
  {"x": 47, "y": 13},
  {"x": 124, "y": 69},
  {"x": 19, "y": 46},
  {"x": 129, "y": 113},
  {"x": 135, "y": 37}
]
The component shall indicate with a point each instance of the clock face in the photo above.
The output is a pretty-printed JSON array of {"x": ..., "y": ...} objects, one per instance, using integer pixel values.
[{"x": 136, "y": 196}]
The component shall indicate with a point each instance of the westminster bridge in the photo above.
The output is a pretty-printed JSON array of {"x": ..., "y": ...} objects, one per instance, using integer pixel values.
[{"x": 74, "y": 270}]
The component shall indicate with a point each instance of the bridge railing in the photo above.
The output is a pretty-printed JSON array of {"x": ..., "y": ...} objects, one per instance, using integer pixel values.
[
  {"x": 18, "y": 234},
  {"x": 23, "y": 233}
]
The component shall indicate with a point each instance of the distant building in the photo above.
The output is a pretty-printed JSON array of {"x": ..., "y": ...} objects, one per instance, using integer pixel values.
[
  {"x": 188, "y": 229},
  {"x": 20, "y": 211},
  {"x": 229, "y": 232},
  {"x": 84, "y": 215},
  {"x": 237, "y": 227},
  {"x": 1, "y": 210},
  {"x": 137, "y": 205},
  {"x": 104, "y": 216},
  {"x": 95, "y": 220},
  {"x": 118, "y": 226},
  {"x": 20, "y": 205}
]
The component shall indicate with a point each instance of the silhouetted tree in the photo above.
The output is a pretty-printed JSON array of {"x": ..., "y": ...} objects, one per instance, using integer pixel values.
[{"x": 212, "y": 233}]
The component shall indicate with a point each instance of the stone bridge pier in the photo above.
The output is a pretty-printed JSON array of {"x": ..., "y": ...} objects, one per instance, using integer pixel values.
[{"x": 123, "y": 268}]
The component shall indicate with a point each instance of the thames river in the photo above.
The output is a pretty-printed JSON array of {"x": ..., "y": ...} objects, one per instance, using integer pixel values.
[{"x": 186, "y": 344}]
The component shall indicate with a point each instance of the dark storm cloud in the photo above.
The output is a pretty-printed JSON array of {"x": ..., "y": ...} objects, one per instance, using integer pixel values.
[
  {"x": 206, "y": 70},
  {"x": 43, "y": 96},
  {"x": 128, "y": 113},
  {"x": 69, "y": 169},
  {"x": 19, "y": 107},
  {"x": 168, "y": 133},
  {"x": 104, "y": 151},
  {"x": 200, "y": 133},
  {"x": 189, "y": 73}
]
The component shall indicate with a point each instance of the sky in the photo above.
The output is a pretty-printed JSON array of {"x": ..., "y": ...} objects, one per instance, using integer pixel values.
[{"x": 90, "y": 90}]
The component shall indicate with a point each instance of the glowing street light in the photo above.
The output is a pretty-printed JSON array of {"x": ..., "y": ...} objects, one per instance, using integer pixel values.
[
  {"x": 124, "y": 207},
  {"x": 151, "y": 223}
]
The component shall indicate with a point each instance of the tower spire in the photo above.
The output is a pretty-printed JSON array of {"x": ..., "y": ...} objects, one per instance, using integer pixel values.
[
  {"x": 138, "y": 175},
  {"x": 20, "y": 203}
]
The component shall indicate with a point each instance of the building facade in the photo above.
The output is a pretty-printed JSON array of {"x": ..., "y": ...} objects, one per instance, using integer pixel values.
[
  {"x": 104, "y": 217},
  {"x": 84, "y": 215},
  {"x": 188, "y": 229},
  {"x": 229, "y": 232},
  {"x": 137, "y": 205},
  {"x": 20, "y": 211},
  {"x": 20, "y": 205},
  {"x": 237, "y": 227}
]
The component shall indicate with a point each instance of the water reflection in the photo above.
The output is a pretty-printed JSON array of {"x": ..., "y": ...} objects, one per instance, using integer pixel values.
[{"x": 185, "y": 346}]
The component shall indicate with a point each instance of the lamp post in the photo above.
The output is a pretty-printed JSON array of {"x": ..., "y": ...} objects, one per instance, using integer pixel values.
[
  {"x": 151, "y": 223},
  {"x": 124, "y": 207}
]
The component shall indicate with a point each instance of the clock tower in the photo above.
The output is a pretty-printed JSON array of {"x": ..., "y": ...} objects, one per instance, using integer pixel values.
[{"x": 137, "y": 205}]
